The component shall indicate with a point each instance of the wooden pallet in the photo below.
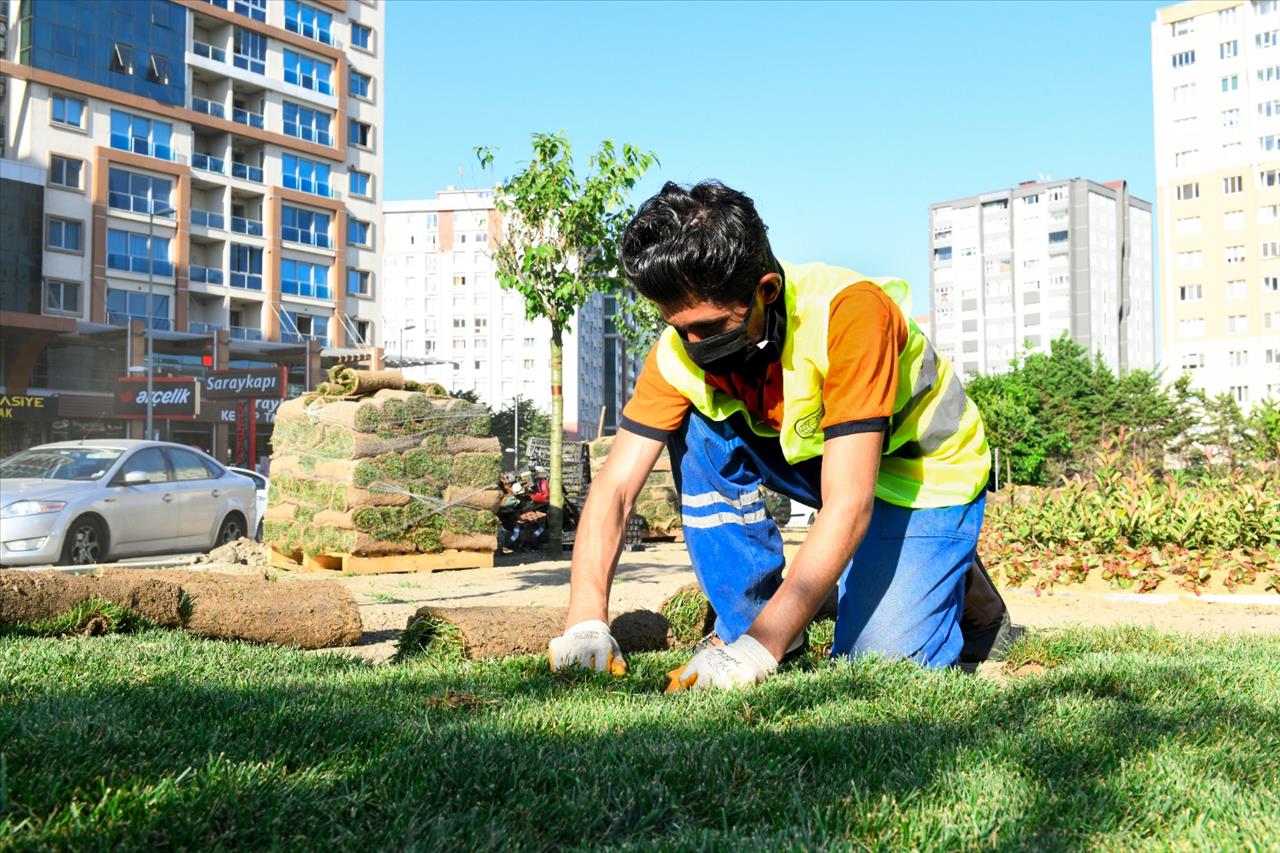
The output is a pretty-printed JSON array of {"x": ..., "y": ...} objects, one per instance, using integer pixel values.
[{"x": 349, "y": 564}]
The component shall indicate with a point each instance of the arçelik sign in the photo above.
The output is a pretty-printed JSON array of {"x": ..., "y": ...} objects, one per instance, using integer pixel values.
[
  {"x": 172, "y": 397},
  {"x": 242, "y": 384},
  {"x": 28, "y": 407}
]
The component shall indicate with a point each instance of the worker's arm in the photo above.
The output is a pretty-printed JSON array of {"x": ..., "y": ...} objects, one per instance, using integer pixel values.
[
  {"x": 849, "y": 467},
  {"x": 598, "y": 540}
]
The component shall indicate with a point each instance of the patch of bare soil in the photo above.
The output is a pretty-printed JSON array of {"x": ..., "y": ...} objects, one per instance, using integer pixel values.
[
  {"x": 242, "y": 552},
  {"x": 497, "y": 632}
]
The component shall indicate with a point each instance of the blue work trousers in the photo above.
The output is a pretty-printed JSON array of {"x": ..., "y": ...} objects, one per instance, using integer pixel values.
[{"x": 902, "y": 593}]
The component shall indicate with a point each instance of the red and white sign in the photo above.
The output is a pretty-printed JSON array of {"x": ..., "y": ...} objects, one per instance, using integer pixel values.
[{"x": 173, "y": 398}]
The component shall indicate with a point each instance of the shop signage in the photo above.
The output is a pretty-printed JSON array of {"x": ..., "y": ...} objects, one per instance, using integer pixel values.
[
  {"x": 224, "y": 411},
  {"x": 244, "y": 384},
  {"x": 172, "y": 397},
  {"x": 28, "y": 407}
]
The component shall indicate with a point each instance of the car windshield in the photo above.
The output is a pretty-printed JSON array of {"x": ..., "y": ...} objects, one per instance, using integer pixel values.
[{"x": 60, "y": 463}]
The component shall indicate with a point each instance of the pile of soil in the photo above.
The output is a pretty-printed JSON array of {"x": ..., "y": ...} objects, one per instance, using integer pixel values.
[
  {"x": 496, "y": 632},
  {"x": 242, "y": 552}
]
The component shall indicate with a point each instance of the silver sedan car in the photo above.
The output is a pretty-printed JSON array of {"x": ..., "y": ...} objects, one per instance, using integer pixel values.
[{"x": 81, "y": 502}]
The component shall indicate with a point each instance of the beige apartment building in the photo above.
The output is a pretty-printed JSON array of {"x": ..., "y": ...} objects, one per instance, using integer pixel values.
[{"x": 1216, "y": 76}]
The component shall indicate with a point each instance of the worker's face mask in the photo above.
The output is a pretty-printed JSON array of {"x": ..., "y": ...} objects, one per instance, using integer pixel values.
[{"x": 733, "y": 351}]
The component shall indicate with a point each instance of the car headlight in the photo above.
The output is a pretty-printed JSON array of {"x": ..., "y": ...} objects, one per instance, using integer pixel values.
[{"x": 20, "y": 509}]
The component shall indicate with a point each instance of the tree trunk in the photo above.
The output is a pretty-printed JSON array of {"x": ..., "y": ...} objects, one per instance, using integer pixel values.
[{"x": 555, "y": 503}]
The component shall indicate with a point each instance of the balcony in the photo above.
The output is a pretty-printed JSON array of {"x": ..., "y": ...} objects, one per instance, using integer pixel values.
[
  {"x": 139, "y": 204},
  {"x": 308, "y": 133},
  {"x": 208, "y": 218},
  {"x": 119, "y": 318},
  {"x": 209, "y": 163},
  {"x": 208, "y": 107},
  {"x": 296, "y": 338},
  {"x": 246, "y": 281},
  {"x": 244, "y": 333},
  {"x": 252, "y": 227},
  {"x": 250, "y": 118},
  {"x": 133, "y": 263},
  {"x": 319, "y": 239},
  {"x": 246, "y": 172},
  {"x": 208, "y": 51},
  {"x": 140, "y": 145},
  {"x": 308, "y": 185},
  {"x": 204, "y": 328},
  {"x": 206, "y": 275}
]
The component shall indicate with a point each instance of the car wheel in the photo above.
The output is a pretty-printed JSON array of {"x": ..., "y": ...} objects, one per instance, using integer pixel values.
[
  {"x": 258, "y": 536},
  {"x": 85, "y": 543},
  {"x": 232, "y": 529}
]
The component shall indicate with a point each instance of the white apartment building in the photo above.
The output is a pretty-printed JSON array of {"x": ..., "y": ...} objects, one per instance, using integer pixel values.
[
  {"x": 441, "y": 303},
  {"x": 1013, "y": 269},
  {"x": 250, "y": 129},
  {"x": 1216, "y": 79}
]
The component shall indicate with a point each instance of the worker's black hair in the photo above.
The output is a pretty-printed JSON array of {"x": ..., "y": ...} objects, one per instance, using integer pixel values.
[{"x": 694, "y": 244}]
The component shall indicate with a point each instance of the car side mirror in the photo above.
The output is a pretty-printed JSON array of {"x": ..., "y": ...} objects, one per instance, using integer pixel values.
[{"x": 136, "y": 478}]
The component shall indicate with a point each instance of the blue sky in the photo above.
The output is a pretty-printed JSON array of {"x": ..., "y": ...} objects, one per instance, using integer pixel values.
[{"x": 843, "y": 121}]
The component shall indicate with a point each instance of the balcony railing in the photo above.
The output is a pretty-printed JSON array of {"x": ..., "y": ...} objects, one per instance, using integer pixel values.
[
  {"x": 139, "y": 145},
  {"x": 246, "y": 117},
  {"x": 207, "y": 275},
  {"x": 208, "y": 218},
  {"x": 307, "y": 133},
  {"x": 246, "y": 172},
  {"x": 246, "y": 281},
  {"x": 308, "y": 185},
  {"x": 208, "y": 51},
  {"x": 252, "y": 227},
  {"x": 203, "y": 328},
  {"x": 244, "y": 333},
  {"x": 296, "y": 338},
  {"x": 208, "y": 107},
  {"x": 139, "y": 204},
  {"x": 307, "y": 238},
  {"x": 119, "y": 318},
  {"x": 209, "y": 163},
  {"x": 132, "y": 263}
]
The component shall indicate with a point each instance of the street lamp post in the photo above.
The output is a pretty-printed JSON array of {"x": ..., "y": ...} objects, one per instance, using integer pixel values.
[
  {"x": 409, "y": 325},
  {"x": 151, "y": 288}
]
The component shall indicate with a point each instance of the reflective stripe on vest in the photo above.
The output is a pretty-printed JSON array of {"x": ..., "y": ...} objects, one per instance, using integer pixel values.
[{"x": 936, "y": 450}]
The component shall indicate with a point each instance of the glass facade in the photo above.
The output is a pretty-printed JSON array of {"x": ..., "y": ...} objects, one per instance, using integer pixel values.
[
  {"x": 21, "y": 249},
  {"x": 80, "y": 39}
]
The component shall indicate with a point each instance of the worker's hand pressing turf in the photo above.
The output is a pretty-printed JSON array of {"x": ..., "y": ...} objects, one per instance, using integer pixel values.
[
  {"x": 589, "y": 645},
  {"x": 744, "y": 661}
]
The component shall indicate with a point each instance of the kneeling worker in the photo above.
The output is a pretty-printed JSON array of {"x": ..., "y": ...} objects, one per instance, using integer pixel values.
[{"x": 812, "y": 381}]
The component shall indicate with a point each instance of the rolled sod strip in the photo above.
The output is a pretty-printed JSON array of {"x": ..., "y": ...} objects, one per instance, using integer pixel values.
[
  {"x": 692, "y": 617},
  {"x": 30, "y": 598},
  {"x": 348, "y": 382},
  {"x": 480, "y": 633}
]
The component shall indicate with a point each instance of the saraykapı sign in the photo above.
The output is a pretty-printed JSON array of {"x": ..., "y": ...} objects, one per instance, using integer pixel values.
[
  {"x": 241, "y": 384},
  {"x": 172, "y": 398},
  {"x": 27, "y": 407}
]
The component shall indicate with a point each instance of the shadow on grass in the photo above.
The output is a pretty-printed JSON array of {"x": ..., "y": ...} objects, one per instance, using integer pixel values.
[{"x": 507, "y": 755}]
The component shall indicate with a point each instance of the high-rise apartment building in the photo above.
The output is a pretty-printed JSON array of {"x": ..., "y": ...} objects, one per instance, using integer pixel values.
[
  {"x": 446, "y": 317},
  {"x": 210, "y": 169},
  {"x": 1216, "y": 77},
  {"x": 1014, "y": 269}
]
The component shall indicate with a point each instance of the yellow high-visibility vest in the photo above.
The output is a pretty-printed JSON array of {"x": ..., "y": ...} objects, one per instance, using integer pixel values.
[{"x": 936, "y": 453}]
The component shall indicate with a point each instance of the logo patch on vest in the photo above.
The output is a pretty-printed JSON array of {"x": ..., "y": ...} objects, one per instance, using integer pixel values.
[{"x": 808, "y": 425}]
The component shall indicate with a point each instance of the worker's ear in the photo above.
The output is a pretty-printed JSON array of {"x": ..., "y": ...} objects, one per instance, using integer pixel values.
[{"x": 770, "y": 286}]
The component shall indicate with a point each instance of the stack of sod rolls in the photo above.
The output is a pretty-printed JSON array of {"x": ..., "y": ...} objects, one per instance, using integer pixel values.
[
  {"x": 372, "y": 465},
  {"x": 659, "y": 502}
]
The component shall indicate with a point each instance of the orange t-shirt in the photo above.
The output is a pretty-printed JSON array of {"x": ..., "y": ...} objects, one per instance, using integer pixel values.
[{"x": 866, "y": 334}]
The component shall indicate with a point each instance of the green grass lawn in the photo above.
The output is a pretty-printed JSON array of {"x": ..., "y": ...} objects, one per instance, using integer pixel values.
[{"x": 1128, "y": 739}]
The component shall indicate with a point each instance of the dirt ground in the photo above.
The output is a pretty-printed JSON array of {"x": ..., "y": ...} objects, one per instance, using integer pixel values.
[{"x": 645, "y": 578}]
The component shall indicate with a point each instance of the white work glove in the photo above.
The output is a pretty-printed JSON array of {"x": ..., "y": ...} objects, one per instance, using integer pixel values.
[
  {"x": 590, "y": 645},
  {"x": 744, "y": 661}
]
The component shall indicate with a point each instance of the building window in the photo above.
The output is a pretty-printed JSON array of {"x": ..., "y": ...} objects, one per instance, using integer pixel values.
[
  {"x": 139, "y": 193},
  {"x": 1184, "y": 92},
  {"x": 361, "y": 36},
  {"x": 1184, "y": 158},
  {"x": 1271, "y": 284},
  {"x": 459, "y": 343},
  {"x": 1230, "y": 83},
  {"x": 308, "y": 227},
  {"x": 66, "y": 111},
  {"x": 1228, "y": 49},
  {"x": 300, "y": 278},
  {"x": 361, "y": 134},
  {"x": 1191, "y": 328},
  {"x": 1187, "y": 225},
  {"x": 1184, "y": 58},
  {"x": 359, "y": 283},
  {"x": 459, "y": 322},
  {"x": 1190, "y": 260},
  {"x": 126, "y": 305},
  {"x": 359, "y": 183},
  {"x": 1264, "y": 7},
  {"x": 1237, "y": 289},
  {"x": 308, "y": 72},
  {"x": 122, "y": 58},
  {"x": 1267, "y": 39},
  {"x": 1187, "y": 192},
  {"x": 1193, "y": 361},
  {"x": 306, "y": 21},
  {"x": 1233, "y": 184},
  {"x": 1237, "y": 324},
  {"x": 61, "y": 297},
  {"x": 1269, "y": 108},
  {"x": 158, "y": 69},
  {"x": 364, "y": 331},
  {"x": 1270, "y": 74},
  {"x": 128, "y": 251},
  {"x": 1233, "y": 220},
  {"x": 250, "y": 50},
  {"x": 1271, "y": 320},
  {"x": 361, "y": 85},
  {"x": 305, "y": 123},
  {"x": 1270, "y": 249},
  {"x": 256, "y": 9},
  {"x": 65, "y": 235},
  {"x": 1267, "y": 178},
  {"x": 1190, "y": 293},
  {"x": 1238, "y": 358},
  {"x": 359, "y": 233},
  {"x": 299, "y": 327},
  {"x": 299, "y": 173},
  {"x": 1234, "y": 254},
  {"x": 246, "y": 267},
  {"x": 1240, "y": 393},
  {"x": 1231, "y": 118},
  {"x": 141, "y": 135}
]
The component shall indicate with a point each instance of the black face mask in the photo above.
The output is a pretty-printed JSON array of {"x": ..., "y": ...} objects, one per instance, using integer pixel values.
[{"x": 733, "y": 351}]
